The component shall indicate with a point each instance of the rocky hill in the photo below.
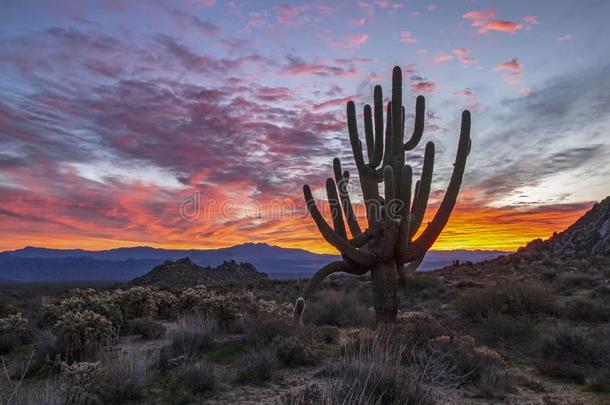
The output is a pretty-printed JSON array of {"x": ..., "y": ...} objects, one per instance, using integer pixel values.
[
  {"x": 582, "y": 247},
  {"x": 184, "y": 273},
  {"x": 589, "y": 236}
]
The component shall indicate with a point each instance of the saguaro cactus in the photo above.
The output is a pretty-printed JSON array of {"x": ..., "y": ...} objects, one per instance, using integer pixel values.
[{"x": 389, "y": 243}]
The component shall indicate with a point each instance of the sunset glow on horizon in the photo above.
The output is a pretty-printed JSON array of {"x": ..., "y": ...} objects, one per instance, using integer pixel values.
[{"x": 194, "y": 124}]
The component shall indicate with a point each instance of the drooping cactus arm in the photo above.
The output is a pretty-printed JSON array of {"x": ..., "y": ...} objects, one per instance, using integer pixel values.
[
  {"x": 404, "y": 194},
  {"x": 348, "y": 210},
  {"x": 421, "y": 245},
  {"x": 420, "y": 202},
  {"x": 363, "y": 238},
  {"x": 317, "y": 278},
  {"x": 410, "y": 268},
  {"x": 335, "y": 208},
  {"x": 359, "y": 257},
  {"x": 418, "y": 127}
]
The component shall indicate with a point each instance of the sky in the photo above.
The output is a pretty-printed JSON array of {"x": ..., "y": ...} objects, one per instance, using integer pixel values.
[{"x": 195, "y": 123}]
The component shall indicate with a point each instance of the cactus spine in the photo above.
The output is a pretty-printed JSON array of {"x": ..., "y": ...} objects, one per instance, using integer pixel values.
[{"x": 388, "y": 245}]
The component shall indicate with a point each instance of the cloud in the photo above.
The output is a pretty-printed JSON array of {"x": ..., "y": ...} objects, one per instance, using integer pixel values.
[
  {"x": 299, "y": 67},
  {"x": 442, "y": 57},
  {"x": 357, "y": 40},
  {"x": 565, "y": 37},
  {"x": 421, "y": 84},
  {"x": 290, "y": 15},
  {"x": 461, "y": 54},
  {"x": 407, "y": 38},
  {"x": 486, "y": 21},
  {"x": 358, "y": 22},
  {"x": 192, "y": 20},
  {"x": 513, "y": 69}
]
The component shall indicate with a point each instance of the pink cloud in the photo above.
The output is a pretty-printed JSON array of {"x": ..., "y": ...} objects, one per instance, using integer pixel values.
[
  {"x": 442, "y": 57},
  {"x": 422, "y": 51},
  {"x": 357, "y": 40},
  {"x": 333, "y": 102},
  {"x": 432, "y": 7},
  {"x": 292, "y": 15},
  {"x": 467, "y": 94},
  {"x": 564, "y": 38},
  {"x": 461, "y": 54},
  {"x": 414, "y": 13},
  {"x": 407, "y": 38},
  {"x": 486, "y": 21},
  {"x": 358, "y": 22},
  {"x": 513, "y": 70}
]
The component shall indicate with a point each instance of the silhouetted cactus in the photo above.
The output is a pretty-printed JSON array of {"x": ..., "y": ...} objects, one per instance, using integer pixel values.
[{"x": 388, "y": 245}]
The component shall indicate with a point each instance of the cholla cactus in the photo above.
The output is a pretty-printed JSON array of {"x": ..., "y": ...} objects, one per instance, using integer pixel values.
[
  {"x": 79, "y": 382},
  {"x": 222, "y": 307},
  {"x": 100, "y": 302},
  {"x": 393, "y": 219},
  {"x": 136, "y": 302},
  {"x": 83, "y": 332},
  {"x": 14, "y": 324}
]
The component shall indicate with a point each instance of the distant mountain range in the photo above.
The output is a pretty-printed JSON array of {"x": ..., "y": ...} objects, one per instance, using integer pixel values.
[{"x": 42, "y": 264}]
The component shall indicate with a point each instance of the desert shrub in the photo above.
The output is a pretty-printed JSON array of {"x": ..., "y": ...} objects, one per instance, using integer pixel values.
[
  {"x": 79, "y": 382},
  {"x": 8, "y": 342},
  {"x": 339, "y": 309},
  {"x": 47, "y": 346},
  {"x": 511, "y": 298},
  {"x": 14, "y": 327},
  {"x": 136, "y": 302},
  {"x": 263, "y": 327},
  {"x": 478, "y": 365},
  {"x": 197, "y": 377},
  {"x": 418, "y": 282},
  {"x": 193, "y": 335},
  {"x": 295, "y": 351},
  {"x": 577, "y": 348},
  {"x": 148, "y": 328},
  {"x": 166, "y": 303},
  {"x": 329, "y": 334},
  {"x": 508, "y": 332},
  {"x": 102, "y": 303},
  {"x": 46, "y": 392},
  {"x": 588, "y": 310},
  {"x": 257, "y": 367},
  {"x": 562, "y": 371},
  {"x": 124, "y": 375},
  {"x": 83, "y": 333},
  {"x": 207, "y": 302},
  {"x": 416, "y": 329}
]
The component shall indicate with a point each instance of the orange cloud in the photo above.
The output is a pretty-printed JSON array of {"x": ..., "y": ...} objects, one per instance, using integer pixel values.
[
  {"x": 461, "y": 54},
  {"x": 486, "y": 21}
]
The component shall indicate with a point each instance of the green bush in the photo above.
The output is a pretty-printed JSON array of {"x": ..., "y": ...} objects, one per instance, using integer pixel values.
[
  {"x": 588, "y": 310},
  {"x": 567, "y": 346},
  {"x": 198, "y": 377}
]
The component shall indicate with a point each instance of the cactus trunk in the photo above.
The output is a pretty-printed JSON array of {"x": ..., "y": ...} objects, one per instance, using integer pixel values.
[{"x": 385, "y": 292}]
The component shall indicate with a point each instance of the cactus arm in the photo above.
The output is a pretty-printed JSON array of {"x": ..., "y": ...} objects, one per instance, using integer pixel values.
[
  {"x": 335, "y": 208},
  {"x": 410, "y": 268},
  {"x": 363, "y": 238},
  {"x": 378, "y": 114},
  {"x": 317, "y": 278},
  {"x": 397, "y": 160},
  {"x": 421, "y": 245},
  {"x": 369, "y": 133},
  {"x": 359, "y": 257},
  {"x": 420, "y": 202},
  {"x": 418, "y": 127},
  {"x": 388, "y": 143},
  {"x": 342, "y": 180},
  {"x": 354, "y": 139},
  {"x": 404, "y": 194}
]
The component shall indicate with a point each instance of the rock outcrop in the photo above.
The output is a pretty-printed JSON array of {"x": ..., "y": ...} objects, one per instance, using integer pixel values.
[
  {"x": 185, "y": 273},
  {"x": 587, "y": 237}
]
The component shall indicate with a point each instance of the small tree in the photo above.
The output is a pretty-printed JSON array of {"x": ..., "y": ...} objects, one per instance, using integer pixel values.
[{"x": 394, "y": 218}]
